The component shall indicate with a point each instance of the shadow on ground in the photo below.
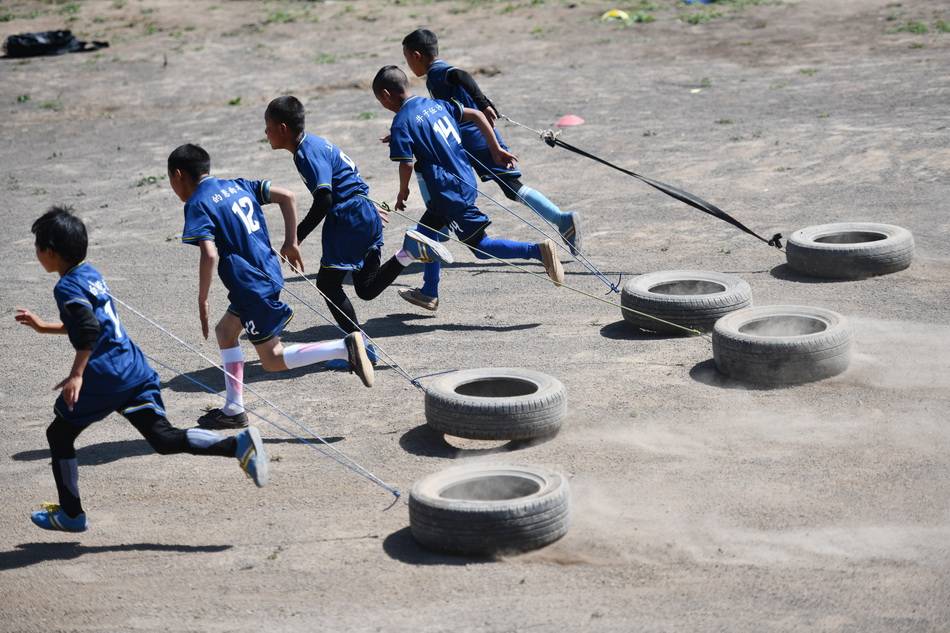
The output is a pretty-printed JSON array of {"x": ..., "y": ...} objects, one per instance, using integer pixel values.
[
  {"x": 402, "y": 547},
  {"x": 27, "y": 554},
  {"x": 787, "y": 273},
  {"x": 401, "y": 324},
  {"x": 706, "y": 373},
  {"x": 108, "y": 452},
  {"x": 425, "y": 441},
  {"x": 623, "y": 331}
]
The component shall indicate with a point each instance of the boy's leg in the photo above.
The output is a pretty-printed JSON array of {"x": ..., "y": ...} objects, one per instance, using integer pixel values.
[
  {"x": 169, "y": 440},
  {"x": 431, "y": 225},
  {"x": 275, "y": 356},
  {"x": 372, "y": 279},
  {"x": 544, "y": 251},
  {"x": 231, "y": 415},
  {"x": 566, "y": 223},
  {"x": 330, "y": 283},
  {"x": 62, "y": 437}
]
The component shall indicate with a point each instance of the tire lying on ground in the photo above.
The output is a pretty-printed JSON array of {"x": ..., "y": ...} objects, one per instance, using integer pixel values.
[
  {"x": 691, "y": 298},
  {"x": 489, "y": 509},
  {"x": 773, "y": 345},
  {"x": 850, "y": 250},
  {"x": 496, "y": 404}
]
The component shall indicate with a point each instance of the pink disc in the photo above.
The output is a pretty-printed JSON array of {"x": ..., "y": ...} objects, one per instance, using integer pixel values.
[{"x": 569, "y": 120}]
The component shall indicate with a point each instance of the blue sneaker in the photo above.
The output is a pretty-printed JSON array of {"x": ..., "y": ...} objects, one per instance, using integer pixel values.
[
  {"x": 51, "y": 517},
  {"x": 251, "y": 455},
  {"x": 572, "y": 234},
  {"x": 337, "y": 364},
  {"x": 425, "y": 249},
  {"x": 371, "y": 351}
]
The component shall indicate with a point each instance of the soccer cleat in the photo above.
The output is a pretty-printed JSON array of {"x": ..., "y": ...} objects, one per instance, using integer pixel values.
[
  {"x": 551, "y": 263},
  {"x": 251, "y": 455},
  {"x": 359, "y": 361},
  {"x": 415, "y": 297},
  {"x": 218, "y": 419},
  {"x": 572, "y": 234},
  {"x": 52, "y": 517},
  {"x": 424, "y": 248}
]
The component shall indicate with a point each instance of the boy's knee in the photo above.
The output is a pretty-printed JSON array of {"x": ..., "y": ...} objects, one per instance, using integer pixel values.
[
  {"x": 61, "y": 437},
  {"x": 166, "y": 439}
]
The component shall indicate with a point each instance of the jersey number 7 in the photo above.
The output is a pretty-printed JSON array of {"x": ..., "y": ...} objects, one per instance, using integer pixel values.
[{"x": 444, "y": 127}]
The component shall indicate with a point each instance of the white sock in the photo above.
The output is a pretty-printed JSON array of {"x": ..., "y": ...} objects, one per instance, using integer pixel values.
[
  {"x": 404, "y": 258},
  {"x": 202, "y": 438},
  {"x": 309, "y": 353},
  {"x": 233, "y": 361}
]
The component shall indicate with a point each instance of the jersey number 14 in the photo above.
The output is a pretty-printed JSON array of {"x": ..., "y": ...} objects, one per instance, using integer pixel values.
[{"x": 444, "y": 127}]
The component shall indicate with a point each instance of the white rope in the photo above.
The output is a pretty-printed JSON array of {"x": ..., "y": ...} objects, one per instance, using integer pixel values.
[{"x": 331, "y": 452}]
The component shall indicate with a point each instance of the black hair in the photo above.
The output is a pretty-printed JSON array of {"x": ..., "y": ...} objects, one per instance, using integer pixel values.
[
  {"x": 190, "y": 159},
  {"x": 422, "y": 41},
  {"x": 390, "y": 78},
  {"x": 287, "y": 110},
  {"x": 60, "y": 231}
]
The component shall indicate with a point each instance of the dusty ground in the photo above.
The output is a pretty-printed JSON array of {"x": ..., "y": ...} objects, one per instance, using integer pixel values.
[{"x": 699, "y": 506}]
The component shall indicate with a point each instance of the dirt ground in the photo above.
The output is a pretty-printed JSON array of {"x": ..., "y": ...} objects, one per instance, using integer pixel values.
[{"x": 697, "y": 505}]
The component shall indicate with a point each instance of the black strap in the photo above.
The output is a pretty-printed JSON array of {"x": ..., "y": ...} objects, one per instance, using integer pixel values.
[{"x": 683, "y": 196}]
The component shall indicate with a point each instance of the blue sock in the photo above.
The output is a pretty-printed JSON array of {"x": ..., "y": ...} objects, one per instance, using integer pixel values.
[
  {"x": 430, "y": 279},
  {"x": 506, "y": 249},
  {"x": 544, "y": 207}
]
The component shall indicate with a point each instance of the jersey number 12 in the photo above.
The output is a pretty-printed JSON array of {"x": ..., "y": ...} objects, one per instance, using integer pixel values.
[{"x": 244, "y": 209}]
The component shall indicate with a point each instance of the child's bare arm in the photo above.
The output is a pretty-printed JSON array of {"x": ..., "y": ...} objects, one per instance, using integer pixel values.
[
  {"x": 72, "y": 384},
  {"x": 209, "y": 258},
  {"x": 405, "y": 175},
  {"x": 27, "y": 318},
  {"x": 287, "y": 202},
  {"x": 500, "y": 156}
]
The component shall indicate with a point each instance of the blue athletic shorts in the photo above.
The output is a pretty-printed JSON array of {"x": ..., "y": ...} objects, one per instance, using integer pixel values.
[
  {"x": 94, "y": 407},
  {"x": 255, "y": 299},
  {"x": 350, "y": 230},
  {"x": 465, "y": 223}
]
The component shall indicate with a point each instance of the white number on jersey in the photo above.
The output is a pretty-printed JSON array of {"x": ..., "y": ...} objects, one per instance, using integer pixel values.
[
  {"x": 349, "y": 161},
  {"x": 244, "y": 209},
  {"x": 113, "y": 317},
  {"x": 444, "y": 127}
]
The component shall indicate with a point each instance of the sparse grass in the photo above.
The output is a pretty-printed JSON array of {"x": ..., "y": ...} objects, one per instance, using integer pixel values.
[
  {"x": 70, "y": 8},
  {"x": 236, "y": 101},
  {"x": 118, "y": 4},
  {"x": 326, "y": 58},
  {"x": 151, "y": 28},
  {"x": 52, "y": 104},
  {"x": 724, "y": 121},
  {"x": 912, "y": 26},
  {"x": 280, "y": 17},
  {"x": 642, "y": 17},
  {"x": 6, "y": 17},
  {"x": 23, "y": 98},
  {"x": 366, "y": 116},
  {"x": 537, "y": 31},
  {"x": 700, "y": 17},
  {"x": 705, "y": 82},
  {"x": 823, "y": 115},
  {"x": 808, "y": 72},
  {"x": 916, "y": 45},
  {"x": 942, "y": 26},
  {"x": 145, "y": 181}
]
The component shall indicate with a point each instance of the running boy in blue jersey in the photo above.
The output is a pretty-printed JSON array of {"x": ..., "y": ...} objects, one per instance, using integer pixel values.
[
  {"x": 109, "y": 374},
  {"x": 352, "y": 229},
  {"x": 224, "y": 219},
  {"x": 426, "y": 131},
  {"x": 421, "y": 50}
]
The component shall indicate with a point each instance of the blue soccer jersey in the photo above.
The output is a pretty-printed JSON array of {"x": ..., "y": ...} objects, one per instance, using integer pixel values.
[
  {"x": 116, "y": 363},
  {"x": 322, "y": 165},
  {"x": 228, "y": 212},
  {"x": 473, "y": 140},
  {"x": 427, "y": 130}
]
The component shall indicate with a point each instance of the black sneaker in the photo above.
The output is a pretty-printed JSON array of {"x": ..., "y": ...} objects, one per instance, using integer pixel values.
[
  {"x": 359, "y": 361},
  {"x": 218, "y": 419}
]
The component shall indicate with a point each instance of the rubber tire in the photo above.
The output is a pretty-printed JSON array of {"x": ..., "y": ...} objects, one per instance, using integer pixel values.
[
  {"x": 699, "y": 312},
  {"x": 489, "y": 527},
  {"x": 850, "y": 261},
  {"x": 531, "y": 416},
  {"x": 777, "y": 360}
]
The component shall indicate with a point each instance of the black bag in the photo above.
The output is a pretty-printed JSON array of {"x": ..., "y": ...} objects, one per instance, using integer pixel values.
[{"x": 48, "y": 43}]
